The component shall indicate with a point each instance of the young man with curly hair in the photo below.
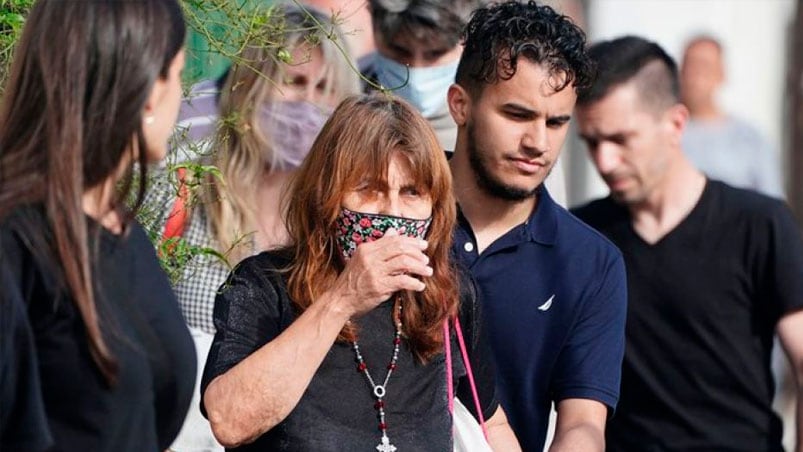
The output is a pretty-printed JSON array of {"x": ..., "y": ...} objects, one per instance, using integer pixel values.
[{"x": 553, "y": 290}]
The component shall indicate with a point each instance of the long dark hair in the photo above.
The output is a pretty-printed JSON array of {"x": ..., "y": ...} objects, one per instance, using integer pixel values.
[{"x": 72, "y": 111}]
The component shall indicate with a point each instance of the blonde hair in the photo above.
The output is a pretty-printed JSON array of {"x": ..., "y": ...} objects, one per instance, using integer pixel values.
[{"x": 244, "y": 151}]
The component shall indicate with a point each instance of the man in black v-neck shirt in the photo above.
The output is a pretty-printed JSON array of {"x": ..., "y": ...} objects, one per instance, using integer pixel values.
[{"x": 713, "y": 271}]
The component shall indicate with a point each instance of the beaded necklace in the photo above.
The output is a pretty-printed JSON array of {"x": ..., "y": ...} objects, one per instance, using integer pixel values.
[{"x": 379, "y": 390}]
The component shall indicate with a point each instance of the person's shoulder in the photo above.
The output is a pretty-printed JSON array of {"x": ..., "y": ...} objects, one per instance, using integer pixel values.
[
  {"x": 266, "y": 265},
  {"x": 598, "y": 211},
  {"x": 583, "y": 226},
  {"x": 24, "y": 231},
  {"x": 730, "y": 200},
  {"x": 752, "y": 213},
  {"x": 24, "y": 217}
]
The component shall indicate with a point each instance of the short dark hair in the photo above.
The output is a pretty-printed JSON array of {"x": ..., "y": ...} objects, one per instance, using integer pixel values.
[
  {"x": 498, "y": 35},
  {"x": 423, "y": 18},
  {"x": 633, "y": 58}
]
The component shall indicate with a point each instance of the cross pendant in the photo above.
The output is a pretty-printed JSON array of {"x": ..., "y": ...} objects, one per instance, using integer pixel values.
[{"x": 386, "y": 446}]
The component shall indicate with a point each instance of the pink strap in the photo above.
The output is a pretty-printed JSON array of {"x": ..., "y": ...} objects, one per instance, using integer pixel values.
[{"x": 464, "y": 354}]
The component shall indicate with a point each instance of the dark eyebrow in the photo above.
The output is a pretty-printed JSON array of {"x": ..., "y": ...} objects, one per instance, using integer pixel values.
[
  {"x": 560, "y": 118},
  {"x": 615, "y": 137},
  {"x": 399, "y": 49},
  {"x": 519, "y": 110}
]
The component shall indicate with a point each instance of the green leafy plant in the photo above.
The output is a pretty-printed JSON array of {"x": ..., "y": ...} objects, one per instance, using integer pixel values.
[{"x": 12, "y": 18}]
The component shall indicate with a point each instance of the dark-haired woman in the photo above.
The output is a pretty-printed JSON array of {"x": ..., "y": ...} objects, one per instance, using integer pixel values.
[{"x": 94, "y": 89}]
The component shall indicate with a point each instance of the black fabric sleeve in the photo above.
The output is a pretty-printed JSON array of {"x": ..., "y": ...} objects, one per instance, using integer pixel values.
[
  {"x": 783, "y": 273},
  {"x": 479, "y": 351},
  {"x": 251, "y": 309},
  {"x": 23, "y": 423}
]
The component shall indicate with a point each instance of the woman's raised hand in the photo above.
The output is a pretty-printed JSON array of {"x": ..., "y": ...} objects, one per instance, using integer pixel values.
[{"x": 380, "y": 268}]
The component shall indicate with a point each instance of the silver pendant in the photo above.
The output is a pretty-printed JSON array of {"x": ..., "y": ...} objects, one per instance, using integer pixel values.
[{"x": 385, "y": 446}]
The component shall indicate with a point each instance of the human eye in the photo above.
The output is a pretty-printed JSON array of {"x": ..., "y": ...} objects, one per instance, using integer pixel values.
[
  {"x": 591, "y": 143},
  {"x": 363, "y": 187},
  {"x": 619, "y": 139},
  {"x": 557, "y": 123},
  {"x": 411, "y": 191},
  {"x": 518, "y": 114},
  {"x": 400, "y": 53},
  {"x": 434, "y": 55}
]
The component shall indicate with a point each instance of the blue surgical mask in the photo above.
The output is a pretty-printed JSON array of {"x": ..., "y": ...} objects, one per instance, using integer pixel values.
[{"x": 426, "y": 86}]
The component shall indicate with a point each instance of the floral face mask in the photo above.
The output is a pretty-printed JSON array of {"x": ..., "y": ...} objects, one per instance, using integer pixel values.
[{"x": 354, "y": 228}]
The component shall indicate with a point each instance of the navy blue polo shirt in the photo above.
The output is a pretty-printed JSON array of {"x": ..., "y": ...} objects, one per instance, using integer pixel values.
[{"x": 554, "y": 302}]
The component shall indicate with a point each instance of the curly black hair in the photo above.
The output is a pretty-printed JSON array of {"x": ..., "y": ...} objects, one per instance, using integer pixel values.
[{"x": 496, "y": 36}]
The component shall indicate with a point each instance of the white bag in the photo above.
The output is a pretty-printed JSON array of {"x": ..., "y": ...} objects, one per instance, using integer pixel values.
[{"x": 468, "y": 436}]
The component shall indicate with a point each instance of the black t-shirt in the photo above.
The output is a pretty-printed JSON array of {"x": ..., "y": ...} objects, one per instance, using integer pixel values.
[
  {"x": 23, "y": 425},
  {"x": 704, "y": 302},
  {"x": 336, "y": 412},
  {"x": 141, "y": 323}
]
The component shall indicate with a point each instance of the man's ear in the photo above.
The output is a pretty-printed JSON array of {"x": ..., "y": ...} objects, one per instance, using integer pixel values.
[
  {"x": 677, "y": 116},
  {"x": 459, "y": 104}
]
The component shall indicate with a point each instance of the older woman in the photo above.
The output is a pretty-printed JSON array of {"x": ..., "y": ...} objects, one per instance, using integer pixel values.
[{"x": 336, "y": 342}]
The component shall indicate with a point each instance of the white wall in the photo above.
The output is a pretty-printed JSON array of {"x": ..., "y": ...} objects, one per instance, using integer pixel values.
[{"x": 753, "y": 32}]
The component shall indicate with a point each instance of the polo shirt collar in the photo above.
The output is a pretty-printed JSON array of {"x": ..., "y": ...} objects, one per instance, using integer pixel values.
[{"x": 542, "y": 225}]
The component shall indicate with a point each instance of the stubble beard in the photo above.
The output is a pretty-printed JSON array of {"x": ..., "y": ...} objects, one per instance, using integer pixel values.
[{"x": 487, "y": 181}]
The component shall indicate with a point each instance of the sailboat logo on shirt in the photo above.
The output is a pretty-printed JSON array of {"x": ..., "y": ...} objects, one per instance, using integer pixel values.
[{"x": 547, "y": 304}]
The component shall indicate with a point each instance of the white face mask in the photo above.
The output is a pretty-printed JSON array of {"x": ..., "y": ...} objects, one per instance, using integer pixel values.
[{"x": 426, "y": 87}]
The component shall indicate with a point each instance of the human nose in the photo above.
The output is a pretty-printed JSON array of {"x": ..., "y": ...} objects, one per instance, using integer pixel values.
[
  {"x": 389, "y": 204},
  {"x": 310, "y": 93},
  {"x": 292, "y": 93},
  {"x": 606, "y": 158},
  {"x": 535, "y": 138}
]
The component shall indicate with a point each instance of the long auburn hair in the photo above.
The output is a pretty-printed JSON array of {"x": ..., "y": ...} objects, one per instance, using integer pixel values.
[
  {"x": 71, "y": 113},
  {"x": 244, "y": 150},
  {"x": 358, "y": 140}
]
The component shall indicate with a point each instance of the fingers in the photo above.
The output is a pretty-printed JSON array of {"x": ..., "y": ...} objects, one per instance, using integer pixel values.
[
  {"x": 380, "y": 268},
  {"x": 392, "y": 245},
  {"x": 405, "y": 264},
  {"x": 406, "y": 282}
]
